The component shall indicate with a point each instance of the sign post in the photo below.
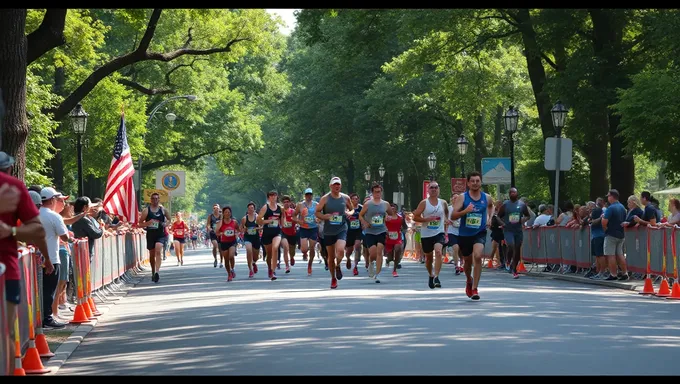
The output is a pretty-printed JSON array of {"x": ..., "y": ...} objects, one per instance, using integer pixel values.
[
  {"x": 426, "y": 187},
  {"x": 558, "y": 153},
  {"x": 496, "y": 170},
  {"x": 458, "y": 185},
  {"x": 173, "y": 182}
]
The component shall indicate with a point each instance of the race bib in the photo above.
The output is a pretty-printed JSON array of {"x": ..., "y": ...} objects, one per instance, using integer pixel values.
[
  {"x": 377, "y": 220},
  {"x": 274, "y": 223},
  {"x": 252, "y": 231},
  {"x": 393, "y": 235},
  {"x": 309, "y": 219},
  {"x": 473, "y": 220},
  {"x": 229, "y": 233},
  {"x": 154, "y": 224},
  {"x": 287, "y": 224},
  {"x": 514, "y": 218},
  {"x": 434, "y": 224},
  {"x": 354, "y": 224},
  {"x": 179, "y": 232},
  {"x": 336, "y": 219}
]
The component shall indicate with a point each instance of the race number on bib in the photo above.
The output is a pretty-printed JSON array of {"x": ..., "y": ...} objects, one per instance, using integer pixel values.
[
  {"x": 354, "y": 224},
  {"x": 274, "y": 223},
  {"x": 229, "y": 233},
  {"x": 309, "y": 219},
  {"x": 473, "y": 220},
  {"x": 434, "y": 224},
  {"x": 514, "y": 217},
  {"x": 393, "y": 235},
  {"x": 252, "y": 231},
  {"x": 377, "y": 220},
  {"x": 154, "y": 224},
  {"x": 287, "y": 224},
  {"x": 179, "y": 232},
  {"x": 336, "y": 219}
]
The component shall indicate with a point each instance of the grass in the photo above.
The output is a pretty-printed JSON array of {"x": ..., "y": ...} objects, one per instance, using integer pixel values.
[{"x": 55, "y": 337}]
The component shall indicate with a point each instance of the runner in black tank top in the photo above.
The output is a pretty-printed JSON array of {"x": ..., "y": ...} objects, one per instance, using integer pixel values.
[
  {"x": 251, "y": 238},
  {"x": 270, "y": 218},
  {"x": 213, "y": 219},
  {"x": 154, "y": 219}
]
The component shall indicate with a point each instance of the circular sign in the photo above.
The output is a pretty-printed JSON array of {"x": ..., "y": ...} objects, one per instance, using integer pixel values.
[{"x": 170, "y": 181}]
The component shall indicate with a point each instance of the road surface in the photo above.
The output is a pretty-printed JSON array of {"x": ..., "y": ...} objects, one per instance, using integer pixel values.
[{"x": 195, "y": 323}]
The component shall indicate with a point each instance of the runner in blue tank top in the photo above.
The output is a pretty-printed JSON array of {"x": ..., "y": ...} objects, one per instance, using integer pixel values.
[
  {"x": 334, "y": 209},
  {"x": 305, "y": 216},
  {"x": 475, "y": 209}
]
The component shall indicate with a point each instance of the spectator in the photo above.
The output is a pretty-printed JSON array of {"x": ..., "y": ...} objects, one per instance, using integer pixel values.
[
  {"x": 87, "y": 226},
  {"x": 612, "y": 222}
]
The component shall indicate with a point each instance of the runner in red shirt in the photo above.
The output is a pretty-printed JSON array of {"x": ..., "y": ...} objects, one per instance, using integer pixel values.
[
  {"x": 179, "y": 228},
  {"x": 289, "y": 239},
  {"x": 226, "y": 234},
  {"x": 393, "y": 244}
]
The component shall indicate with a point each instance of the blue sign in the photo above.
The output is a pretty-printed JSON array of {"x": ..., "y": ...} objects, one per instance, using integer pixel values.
[
  {"x": 170, "y": 181},
  {"x": 496, "y": 170}
]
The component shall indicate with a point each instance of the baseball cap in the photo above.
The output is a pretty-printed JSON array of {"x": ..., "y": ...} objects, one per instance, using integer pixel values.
[
  {"x": 614, "y": 193},
  {"x": 35, "y": 196},
  {"x": 6, "y": 160},
  {"x": 335, "y": 180},
  {"x": 49, "y": 192},
  {"x": 308, "y": 190}
]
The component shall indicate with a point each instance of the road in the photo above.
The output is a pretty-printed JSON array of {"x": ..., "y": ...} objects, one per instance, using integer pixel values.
[{"x": 195, "y": 323}]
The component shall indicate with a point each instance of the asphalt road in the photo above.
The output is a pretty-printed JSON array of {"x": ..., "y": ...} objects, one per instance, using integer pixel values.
[{"x": 195, "y": 323}]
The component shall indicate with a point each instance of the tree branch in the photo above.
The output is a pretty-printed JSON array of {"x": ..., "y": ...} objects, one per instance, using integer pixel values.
[
  {"x": 167, "y": 75},
  {"x": 144, "y": 90},
  {"x": 150, "y": 31},
  {"x": 181, "y": 159},
  {"x": 50, "y": 34},
  {"x": 549, "y": 61}
]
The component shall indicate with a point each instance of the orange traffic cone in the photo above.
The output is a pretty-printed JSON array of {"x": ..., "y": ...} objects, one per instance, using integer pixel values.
[
  {"x": 18, "y": 369},
  {"x": 446, "y": 258},
  {"x": 648, "y": 288},
  {"x": 675, "y": 293},
  {"x": 489, "y": 264},
  {"x": 664, "y": 289},
  {"x": 31, "y": 362},
  {"x": 41, "y": 344},
  {"x": 87, "y": 310},
  {"x": 93, "y": 307},
  {"x": 521, "y": 268},
  {"x": 79, "y": 315}
]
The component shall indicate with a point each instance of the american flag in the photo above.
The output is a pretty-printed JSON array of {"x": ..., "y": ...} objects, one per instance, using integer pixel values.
[{"x": 120, "y": 190}]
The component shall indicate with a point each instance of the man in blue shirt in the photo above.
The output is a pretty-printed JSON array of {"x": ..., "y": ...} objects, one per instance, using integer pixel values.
[{"x": 613, "y": 239}]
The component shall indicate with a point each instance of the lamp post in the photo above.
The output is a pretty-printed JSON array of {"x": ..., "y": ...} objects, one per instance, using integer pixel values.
[
  {"x": 559, "y": 117},
  {"x": 400, "y": 178},
  {"x": 79, "y": 121},
  {"x": 511, "y": 118},
  {"x": 170, "y": 117},
  {"x": 462, "y": 149},
  {"x": 367, "y": 177},
  {"x": 432, "y": 163}
]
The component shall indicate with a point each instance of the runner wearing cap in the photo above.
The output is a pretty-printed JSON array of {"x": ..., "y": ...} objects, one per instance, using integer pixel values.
[
  {"x": 372, "y": 217},
  {"x": 305, "y": 215},
  {"x": 334, "y": 209}
]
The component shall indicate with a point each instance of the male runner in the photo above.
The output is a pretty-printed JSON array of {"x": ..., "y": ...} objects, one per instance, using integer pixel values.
[
  {"x": 335, "y": 208},
  {"x": 517, "y": 214},
  {"x": 154, "y": 219},
  {"x": 354, "y": 235},
  {"x": 289, "y": 237},
  {"x": 433, "y": 212},
  {"x": 270, "y": 217},
  {"x": 372, "y": 217},
  {"x": 305, "y": 215},
  {"x": 475, "y": 209},
  {"x": 210, "y": 225}
]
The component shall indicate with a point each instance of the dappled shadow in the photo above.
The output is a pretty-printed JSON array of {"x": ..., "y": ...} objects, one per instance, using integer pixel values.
[{"x": 195, "y": 323}]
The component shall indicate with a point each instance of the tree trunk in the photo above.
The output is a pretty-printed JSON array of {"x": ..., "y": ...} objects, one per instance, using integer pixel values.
[
  {"x": 13, "y": 84},
  {"x": 57, "y": 162},
  {"x": 622, "y": 164}
]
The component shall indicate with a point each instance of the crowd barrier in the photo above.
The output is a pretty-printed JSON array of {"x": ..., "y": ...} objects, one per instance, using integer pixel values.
[{"x": 114, "y": 260}]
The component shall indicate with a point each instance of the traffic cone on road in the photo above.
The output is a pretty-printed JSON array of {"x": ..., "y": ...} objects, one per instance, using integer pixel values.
[
  {"x": 41, "y": 344},
  {"x": 79, "y": 315},
  {"x": 664, "y": 289},
  {"x": 675, "y": 292},
  {"x": 648, "y": 288},
  {"x": 93, "y": 307},
  {"x": 489, "y": 264},
  {"x": 31, "y": 362},
  {"x": 521, "y": 268}
]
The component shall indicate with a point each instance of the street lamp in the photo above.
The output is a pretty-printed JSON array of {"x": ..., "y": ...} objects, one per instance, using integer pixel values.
[
  {"x": 169, "y": 117},
  {"x": 432, "y": 163},
  {"x": 400, "y": 178},
  {"x": 381, "y": 172},
  {"x": 559, "y": 117},
  {"x": 79, "y": 122},
  {"x": 511, "y": 118},
  {"x": 462, "y": 149}
]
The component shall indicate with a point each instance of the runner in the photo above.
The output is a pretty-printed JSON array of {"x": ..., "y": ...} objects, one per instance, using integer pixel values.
[
  {"x": 178, "y": 229},
  {"x": 306, "y": 217},
  {"x": 212, "y": 221},
  {"x": 335, "y": 208},
  {"x": 375, "y": 229},
  {"x": 452, "y": 240},
  {"x": 475, "y": 209},
  {"x": 154, "y": 219},
  {"x": 517, "y": 214},
  {"x": 354, "y": 235},
  {"x": 393, "y": 242},
  {"x": 227, "y": 233},
  {"x": 288, "y": 240},
  {"x": 433, "y": 212},
  {"x": 251, "y": 238},
  {"x": 269, "y": 217}
]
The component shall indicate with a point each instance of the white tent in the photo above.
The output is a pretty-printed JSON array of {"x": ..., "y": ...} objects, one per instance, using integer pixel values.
[{"x": 672, "y": 191}]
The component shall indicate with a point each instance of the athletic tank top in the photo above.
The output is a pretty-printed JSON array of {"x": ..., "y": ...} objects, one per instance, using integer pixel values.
[
  {"x": 228, "y": 231},
  {"x": 435, "y": 226},
  {"x": 375, "y": 215},
  {"x": 353, "y": 222},
  {"x": 336, "y": 207},
  {"x": 251, "y": 227},
  {"x": 288, "y": 225},
  {"x": 178, "y": 229},
  {"x": 273, "y": 228},
  {"x": 213, "y": 221},
  {"x": 157, "y": 219},
  {"x": 393, "y": 230},
  {"x": 474, "y": 222},
  {"x": 308, "y": 215},
  {"x": 513, "y": 216}
]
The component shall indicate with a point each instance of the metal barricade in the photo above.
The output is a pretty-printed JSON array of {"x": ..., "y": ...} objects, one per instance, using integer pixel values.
[
  {"x": 4, "y": 326},
  {"x": 23, "y": 309},
  {"x": 551, "y": 239},
  {"x": 527, "y": 255},
  {"x": 567, "y": 238},
  {"x": 582, "y": 251},
  {"x": 656, "y": 246},
  {"x": 668, "y": 250},
  {"x": 635, "y": 249}
]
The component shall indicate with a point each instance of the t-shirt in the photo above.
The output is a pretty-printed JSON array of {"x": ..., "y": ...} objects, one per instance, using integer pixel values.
[
  {"x": 616, "y": 214},
  {"x": 54, "y": 228},
  {"x": 25, "y": 211}
]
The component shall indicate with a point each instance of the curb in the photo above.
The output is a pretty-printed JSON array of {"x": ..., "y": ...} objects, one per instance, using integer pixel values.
[
  {"x": 69, "y": 346},
  {"x": 576, "y": 279}
]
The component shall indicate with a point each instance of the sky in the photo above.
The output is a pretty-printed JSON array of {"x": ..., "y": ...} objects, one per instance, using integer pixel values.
[{"x": 288, "y": 18}]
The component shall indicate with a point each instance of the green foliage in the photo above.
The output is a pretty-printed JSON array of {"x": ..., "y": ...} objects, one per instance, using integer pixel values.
[{"x": 38, "y": 148}]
